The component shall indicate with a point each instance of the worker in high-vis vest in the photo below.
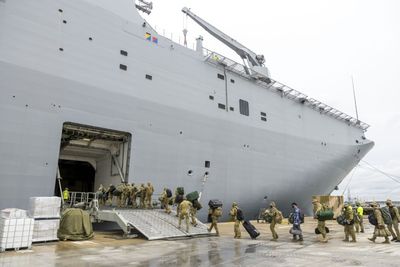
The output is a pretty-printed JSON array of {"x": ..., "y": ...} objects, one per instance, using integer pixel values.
[
  {"x": 360, "y": 212},
  {"x": 66, "y": 194}
]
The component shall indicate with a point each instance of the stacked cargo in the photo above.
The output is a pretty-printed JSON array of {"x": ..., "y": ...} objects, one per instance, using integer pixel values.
[
  {"x": 46, "y": 212},
  {"x": 16, "y": 229}
]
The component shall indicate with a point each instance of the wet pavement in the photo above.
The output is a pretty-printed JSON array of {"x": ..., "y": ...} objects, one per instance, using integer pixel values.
[{"x": 108, "y": 249}]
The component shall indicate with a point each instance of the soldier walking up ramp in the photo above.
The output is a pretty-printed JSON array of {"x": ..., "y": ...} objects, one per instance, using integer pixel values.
[{"x": 153, "y": 224}]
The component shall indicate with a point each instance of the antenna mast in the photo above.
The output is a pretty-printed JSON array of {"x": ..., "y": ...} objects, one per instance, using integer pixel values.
[{"x": 354, "y": 96}]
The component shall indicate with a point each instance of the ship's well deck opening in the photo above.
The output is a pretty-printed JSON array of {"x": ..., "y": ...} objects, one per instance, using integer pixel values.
[{"x": 90, "y": 156}]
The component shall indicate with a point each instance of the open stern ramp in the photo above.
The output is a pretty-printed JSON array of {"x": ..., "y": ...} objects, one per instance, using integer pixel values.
[{"x": 153, "y": 224}]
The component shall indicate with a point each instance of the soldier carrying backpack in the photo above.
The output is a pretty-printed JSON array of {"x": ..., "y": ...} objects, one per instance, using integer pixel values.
[
  {"x": 214, "y": 212},
  {"x": 276, "y": 217}
]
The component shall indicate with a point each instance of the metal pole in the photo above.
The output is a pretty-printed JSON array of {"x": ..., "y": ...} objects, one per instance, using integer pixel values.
[
  {"x": 226, "y": 90},
  {"x": 354, "y": 96},
  {"x": 59, "y": 185}
]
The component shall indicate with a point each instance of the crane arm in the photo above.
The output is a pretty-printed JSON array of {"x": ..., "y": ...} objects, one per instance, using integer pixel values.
[{"x": 241, "y": 50}]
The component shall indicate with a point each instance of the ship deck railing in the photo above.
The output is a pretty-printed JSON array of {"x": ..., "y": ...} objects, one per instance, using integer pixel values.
[{"x": 283, "y": 90}]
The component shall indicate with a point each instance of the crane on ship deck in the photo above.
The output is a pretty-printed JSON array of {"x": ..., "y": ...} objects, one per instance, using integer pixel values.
[{"x": 254, "y": 63}]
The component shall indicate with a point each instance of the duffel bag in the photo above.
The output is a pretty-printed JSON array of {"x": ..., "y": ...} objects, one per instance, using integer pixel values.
[
  {"x": 324, "y": 215},
  {"x": 341, "y": 220},
  {"x": 192, "y": 196},
  {"x": 372, "y": 219},
  {"x": 215, "y": 203}
]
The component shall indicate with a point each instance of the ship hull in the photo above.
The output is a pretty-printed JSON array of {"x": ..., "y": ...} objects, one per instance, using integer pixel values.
[{"x": 175, "y": 127}]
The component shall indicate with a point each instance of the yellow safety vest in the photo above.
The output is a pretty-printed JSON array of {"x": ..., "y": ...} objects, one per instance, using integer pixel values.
[
  {"x": 66, "y": 194},
  {"x": 360, "y": 211}
]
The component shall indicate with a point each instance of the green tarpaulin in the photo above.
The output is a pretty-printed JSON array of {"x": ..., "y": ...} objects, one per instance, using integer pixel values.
[{"x": 75, "y": 225}]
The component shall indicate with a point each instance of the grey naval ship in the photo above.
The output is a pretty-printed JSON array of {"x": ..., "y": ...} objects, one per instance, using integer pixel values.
[{"x": 90, "y": 92}]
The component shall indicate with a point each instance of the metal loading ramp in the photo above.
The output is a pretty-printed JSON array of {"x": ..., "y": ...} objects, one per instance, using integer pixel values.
[{"x": 153, "y": 224}]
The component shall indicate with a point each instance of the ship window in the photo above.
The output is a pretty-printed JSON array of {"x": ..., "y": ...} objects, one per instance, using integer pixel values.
[
  {"x": 123, "y": 67},
  {"x": 149, "y": 77},
  {"x": 211, "y": 97},
  {"x": 231, "y": 109},
  {"x": 220, "y": 76},
  {"x": 232, "y": 81},
  {"x": 263, "y": 119},
  {"x": 263, "y": 114},
  {"x": 207, "y": 164},
  {"x": 244, "y": 107},
  {"x": 124, "y": 53},
  {"x": 221, "y": 106}
]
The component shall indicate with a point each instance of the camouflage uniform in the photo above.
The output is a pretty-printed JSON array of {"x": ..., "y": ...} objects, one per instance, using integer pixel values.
[
  {"x": 359, "y": 220},
  {"x": 149, "y": 193},
  {"x": 317, "y": 207},
  {"x": 349, "y": 223},
  {"x": 133, "y": 195},
  {"x": 273, "y": 212},
  {"x": 142, "y": 195},
  {"x": 126, "y": 191},
  {"x": 109, "y": 193},
  {"x": 214, "y": 214},
  {"x": 394, "y": 226},
  {"x": 101, "y": 195},
  {"x": 184, "y": 210},
  {"x": 193, "y": 213},
  {"x": 236, "y": 226},
  {"x": 380, "y": 228},
  {"x": 176, "y": 202},
  {"x": 120, "y": 190},
  {"x": 165, "y": 201}
]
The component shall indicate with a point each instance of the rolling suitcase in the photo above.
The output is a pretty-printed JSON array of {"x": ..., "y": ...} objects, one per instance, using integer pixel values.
[{"x": 253, "y": 232}]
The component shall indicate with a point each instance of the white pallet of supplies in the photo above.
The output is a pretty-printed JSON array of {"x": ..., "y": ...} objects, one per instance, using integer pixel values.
[
  {"x": 16, "y": 233},
  {"x": 45, "y": 230},
  {"x": 44, "y": 207}
]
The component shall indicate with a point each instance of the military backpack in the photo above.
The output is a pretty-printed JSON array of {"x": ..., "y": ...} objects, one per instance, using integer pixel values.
[
  {"x": 372, "y": 219},
  {"x": 180, "y": 191},
  {"x": 168, "y": 192},
  {"x": 386, "y": 215}
]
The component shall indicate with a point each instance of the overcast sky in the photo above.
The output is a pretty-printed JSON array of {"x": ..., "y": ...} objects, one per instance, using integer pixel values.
[{"x": 314, "y": 46}]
